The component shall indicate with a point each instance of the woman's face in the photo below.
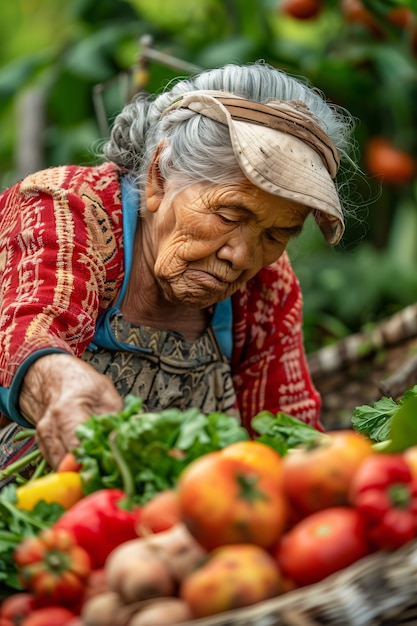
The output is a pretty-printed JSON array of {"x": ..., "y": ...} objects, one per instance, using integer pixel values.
[{"x": 208, "y": 240}]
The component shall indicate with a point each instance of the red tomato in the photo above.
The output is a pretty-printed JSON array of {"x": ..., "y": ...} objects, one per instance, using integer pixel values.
[
  {"x": 231, "y": 496},
  {"x": 355, "y": 12},
  {"x": 319, "y": 476},
  {"x": 384, "y": 160},
  {"x": 53, "y": 567},
  {"x": 402, "y": 17},
  {"x": 321, "y": 544},
  {"x": 17, "y": 606},
  {"x": 69, "y": 463},
  {"x": 301, "y": 9},
  {"x": 49, "y": 616},
  {"x": 159, "y": 514}
]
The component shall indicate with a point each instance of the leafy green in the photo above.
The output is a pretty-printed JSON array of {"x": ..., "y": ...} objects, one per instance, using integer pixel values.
[
  {"x": 148, "y": 450},
  {"x": 375, "y": 421},
  {"x": 388, "y": 420},
  {"x": 15, "y": 525},
  {"x": 282, "y": 431},
  {"x": 404, "y": 423}
]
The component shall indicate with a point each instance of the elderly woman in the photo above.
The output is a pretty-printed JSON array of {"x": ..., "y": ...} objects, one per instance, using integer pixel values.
[{"x": 162, "y": 272}]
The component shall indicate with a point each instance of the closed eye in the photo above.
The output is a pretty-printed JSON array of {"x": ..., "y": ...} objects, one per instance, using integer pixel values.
[
  {"x": 278, "y": 234},
  {"x": 228, "y": 220}
]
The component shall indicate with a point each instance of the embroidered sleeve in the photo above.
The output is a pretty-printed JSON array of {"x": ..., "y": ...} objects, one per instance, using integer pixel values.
[
  {"x": 53, "y": 252},
  {"x": 269, "y": 362}
]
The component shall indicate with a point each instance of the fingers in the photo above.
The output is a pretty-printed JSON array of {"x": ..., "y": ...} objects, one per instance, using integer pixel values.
[
  {"x": 65, "y": 398},
  {"x": 56, "y": 429}
]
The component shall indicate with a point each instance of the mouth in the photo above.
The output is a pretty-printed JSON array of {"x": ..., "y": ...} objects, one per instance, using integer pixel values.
[{"x": 206, "y": 278}]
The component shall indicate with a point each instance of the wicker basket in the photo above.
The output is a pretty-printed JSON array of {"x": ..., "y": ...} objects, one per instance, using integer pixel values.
[{"x": 379, "y": 590}]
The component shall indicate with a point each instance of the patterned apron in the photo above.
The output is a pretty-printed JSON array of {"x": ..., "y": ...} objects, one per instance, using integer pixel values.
[{"x": 165, "y": 370}]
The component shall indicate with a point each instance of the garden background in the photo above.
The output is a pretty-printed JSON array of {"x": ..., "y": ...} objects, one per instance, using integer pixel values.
[{"x": 66, "y": 69}]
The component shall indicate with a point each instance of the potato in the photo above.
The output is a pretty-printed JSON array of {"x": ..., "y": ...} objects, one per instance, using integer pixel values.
[
  {"x": 144, "y": 579},
  {"x": 162, "y": 612},
  {"x": 152, "y": 566},
  {"x": 96, "y": 584},
  {"x": 103, "y": 610},
  {"x": 178, "y": 549}
]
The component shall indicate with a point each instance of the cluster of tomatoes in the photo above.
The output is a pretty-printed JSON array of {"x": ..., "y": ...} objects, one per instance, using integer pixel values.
[{"x": 317, "y": 510}]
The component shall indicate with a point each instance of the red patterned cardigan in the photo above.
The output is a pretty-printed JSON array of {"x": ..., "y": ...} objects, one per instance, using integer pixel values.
[{"x": 62, "y": 264}]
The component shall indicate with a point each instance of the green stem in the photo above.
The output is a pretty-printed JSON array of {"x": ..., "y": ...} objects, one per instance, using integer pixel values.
[
  {"x": 20, "y": 464},
  {"x": 39, "y": 471},
  {"x": 24, "y": 434},
  {"x": 10, "y": 537},
  {"x": 22, "y": 515},
  {"x": 127, "y": 478}
]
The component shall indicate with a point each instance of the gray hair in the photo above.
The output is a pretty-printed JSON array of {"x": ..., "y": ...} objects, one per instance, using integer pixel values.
[{"x": 195, "y": 148}]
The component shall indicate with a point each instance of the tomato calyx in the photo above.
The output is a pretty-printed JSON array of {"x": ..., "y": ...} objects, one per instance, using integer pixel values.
[
  {"x": 248, "y": 487},
  {"x": 399, "y": 495},
  {"x": 56, "y": 561}
]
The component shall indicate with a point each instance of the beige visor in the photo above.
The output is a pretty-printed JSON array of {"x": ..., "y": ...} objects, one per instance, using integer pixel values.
[{"x": 281, "y": 148}]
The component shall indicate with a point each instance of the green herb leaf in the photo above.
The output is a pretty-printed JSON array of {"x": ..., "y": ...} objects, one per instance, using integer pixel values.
[
  {"x": 375, "y": 421},
  {"x": 282, "y": 432},
  {"x": 403, "y": 432},
  {"x": 388, "y": 421}
]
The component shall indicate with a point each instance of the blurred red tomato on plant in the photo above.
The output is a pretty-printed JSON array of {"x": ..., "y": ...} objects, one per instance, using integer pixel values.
[
  {"x": 388, "y": 162},
  {"x": 301, "y": 9},
  {"x": 355, "y": 12}
]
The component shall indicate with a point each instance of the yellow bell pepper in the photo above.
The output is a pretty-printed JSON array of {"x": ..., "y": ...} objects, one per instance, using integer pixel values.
[{"x": 65, "y": 488}]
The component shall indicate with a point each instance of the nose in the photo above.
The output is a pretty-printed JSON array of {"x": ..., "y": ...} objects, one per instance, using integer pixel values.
[{"x": 239, "y": 250}]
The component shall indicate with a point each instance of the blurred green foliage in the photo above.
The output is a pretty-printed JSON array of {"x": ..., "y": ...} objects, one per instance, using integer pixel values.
[{"x": 81, "y": 55}]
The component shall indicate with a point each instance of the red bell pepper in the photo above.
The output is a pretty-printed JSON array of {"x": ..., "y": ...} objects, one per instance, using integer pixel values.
[
  {"x": 99, "y": 524},
  {"x": 385, "y": 492},
  {"x": 53, "y": 567}
]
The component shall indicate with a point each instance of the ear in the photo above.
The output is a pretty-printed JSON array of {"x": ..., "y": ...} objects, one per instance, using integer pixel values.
[{"x": 155, "y": 183}]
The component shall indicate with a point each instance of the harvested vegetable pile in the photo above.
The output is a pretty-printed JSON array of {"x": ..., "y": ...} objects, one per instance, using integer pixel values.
[{"x": 158, "y": 506}]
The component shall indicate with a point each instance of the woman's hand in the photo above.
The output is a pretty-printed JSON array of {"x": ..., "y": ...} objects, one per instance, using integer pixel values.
[{"x": 59, "y": 392}]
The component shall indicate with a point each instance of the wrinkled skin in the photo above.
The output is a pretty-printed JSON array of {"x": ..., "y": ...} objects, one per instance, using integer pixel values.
[
  {"x": 59, "y": 392},
  {"x": 193, "y": 248},
  {"x": 199, "y": 246}
]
